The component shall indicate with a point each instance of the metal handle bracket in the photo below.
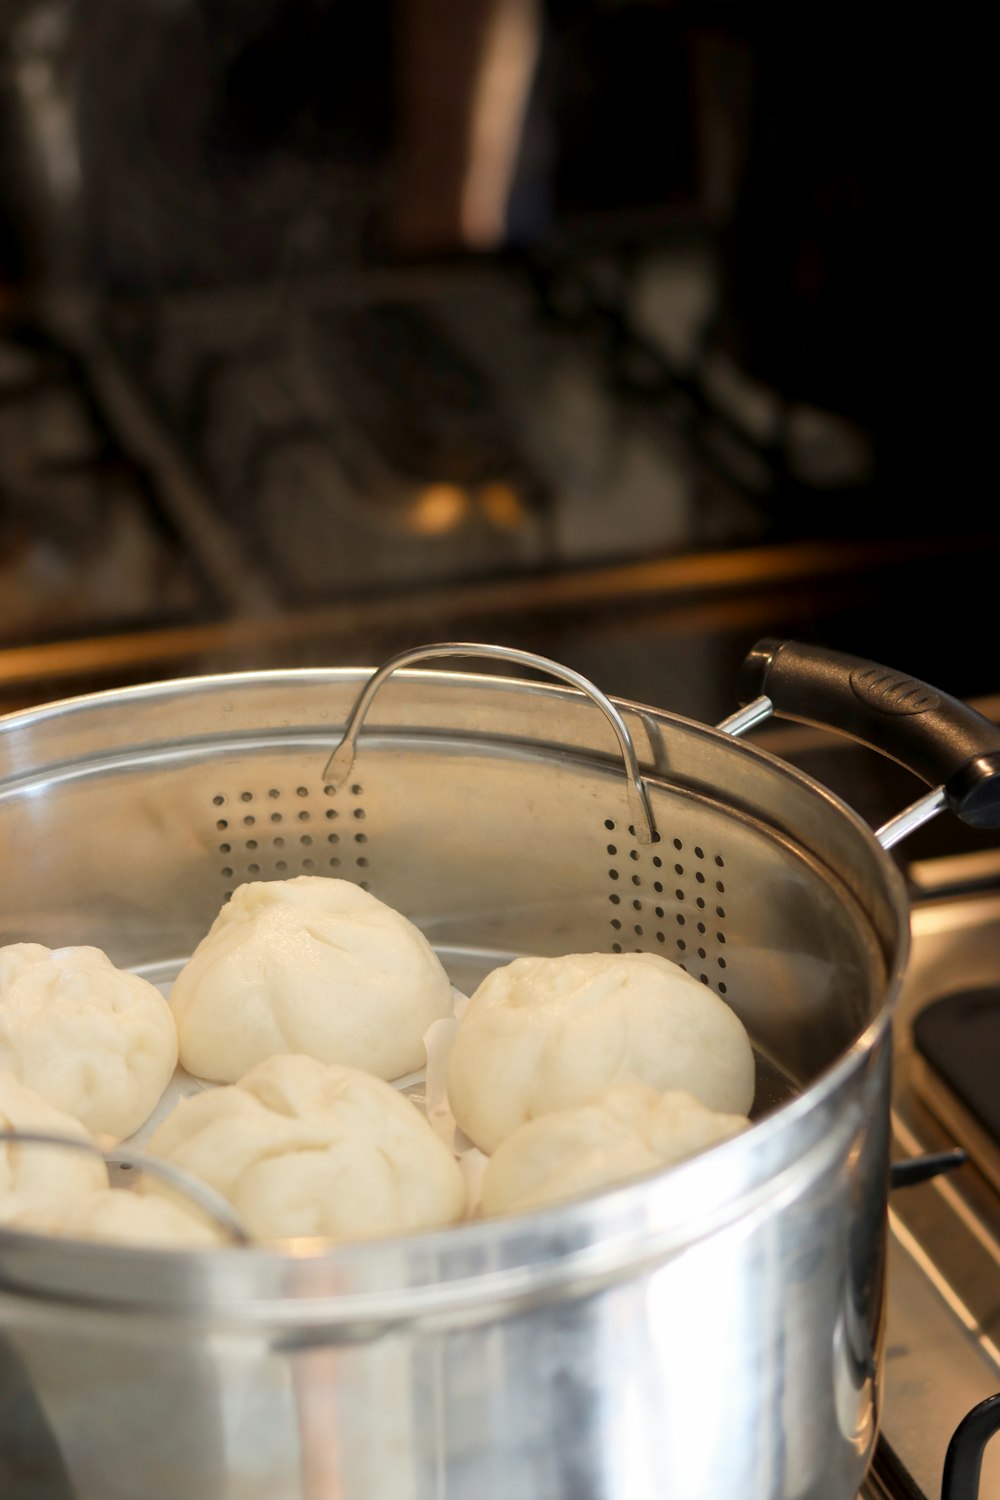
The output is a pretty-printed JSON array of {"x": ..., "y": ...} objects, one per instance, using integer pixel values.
[{"x": 339, "y": 765}]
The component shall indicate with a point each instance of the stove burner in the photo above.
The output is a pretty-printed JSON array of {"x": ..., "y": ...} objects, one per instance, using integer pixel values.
[{"x": 964, "y": 1460}]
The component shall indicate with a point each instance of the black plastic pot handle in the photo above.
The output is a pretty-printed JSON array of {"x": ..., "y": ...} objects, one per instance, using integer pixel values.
[{"x": 938, "y": 738}]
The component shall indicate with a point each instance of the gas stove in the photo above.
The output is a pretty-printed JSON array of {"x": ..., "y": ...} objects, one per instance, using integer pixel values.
[{"x": 942, "y": 1346}]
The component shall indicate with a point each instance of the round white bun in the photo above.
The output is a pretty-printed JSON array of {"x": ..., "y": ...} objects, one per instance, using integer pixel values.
[
  {"x": 541, "y": 1034},
  {"x": 123, "y": 1218},
  {"x": 301, "y": 1147},
  {"x": 629, "y": 1129},
  {"x": 95, "y": 1041},
  {"x": 32, "y": 1175},
  {"x": 314, "y": 966}
]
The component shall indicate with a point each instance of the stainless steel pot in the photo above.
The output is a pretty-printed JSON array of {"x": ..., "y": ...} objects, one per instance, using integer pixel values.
[{"x": 709, "y": 1332}]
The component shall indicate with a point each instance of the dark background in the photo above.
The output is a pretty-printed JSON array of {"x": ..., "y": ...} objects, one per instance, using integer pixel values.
[{"x": 624, "y": 332}]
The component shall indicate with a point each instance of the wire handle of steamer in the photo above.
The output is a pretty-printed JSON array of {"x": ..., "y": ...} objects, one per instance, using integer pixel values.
[
  {"x": 206, "y": 1198},
  {"x": 339, "y": 765},
  {"x": 945, "y": 742}
]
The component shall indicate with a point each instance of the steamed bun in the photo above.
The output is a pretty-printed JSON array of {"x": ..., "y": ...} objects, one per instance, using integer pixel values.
[
  {"x": 33, "y": 1175},
  {"x": 124, "y": 1218},
  {"x": 310, "y": 965},
  {"x": 628, "y": 1129},
  {"x": 95, "y": 1041},
  {"x": 301, "y": 1147},
  {"x": 541, "y": 1034}
]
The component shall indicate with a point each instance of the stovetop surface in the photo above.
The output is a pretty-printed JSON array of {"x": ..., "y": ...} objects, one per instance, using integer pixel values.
[{"x": 942, "y": 1352}]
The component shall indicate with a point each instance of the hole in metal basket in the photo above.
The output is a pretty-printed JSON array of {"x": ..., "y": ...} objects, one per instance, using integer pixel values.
[
  {"x": 645, "y": 865},
  {"x": 357, "y": 789},
  {"x": 218, "y": 800},
  {"x": 273, "y": 793},
  {"x": 301, "y": 791},
  {"x": 246, "y": 796},
  {"x": 616, "y": 947}
]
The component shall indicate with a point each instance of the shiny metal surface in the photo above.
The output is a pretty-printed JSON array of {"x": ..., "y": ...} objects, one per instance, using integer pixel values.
[
  {"x": 342, "y": 759},
  {"x": 911, "y": 818},
  {"x": 943, "y": 1352},
  {"x": 712, "y": 1331}
]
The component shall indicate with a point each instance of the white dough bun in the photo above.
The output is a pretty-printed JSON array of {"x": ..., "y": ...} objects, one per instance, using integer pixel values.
[
  {"x": 96, "y": 1041},
  {"x": 627, "y": 1131},
  {"x": 121, "y": 1217},
  {"x": 541, "y": 1034},
  {"x": 304, "y": 1148},
  {"x": 311, "y": 966},
  {"x": 33, "y": 1175}
]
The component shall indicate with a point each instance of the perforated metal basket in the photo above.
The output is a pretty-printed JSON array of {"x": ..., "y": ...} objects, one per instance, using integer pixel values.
[{"x": 568, "y": 1354}]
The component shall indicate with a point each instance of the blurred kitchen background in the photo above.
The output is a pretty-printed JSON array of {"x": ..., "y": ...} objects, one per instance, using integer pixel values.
[{"x": 624, "y": 331}]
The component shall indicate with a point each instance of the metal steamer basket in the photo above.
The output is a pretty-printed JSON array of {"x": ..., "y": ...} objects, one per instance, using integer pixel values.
[{"x": 710, "y": 1331}]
